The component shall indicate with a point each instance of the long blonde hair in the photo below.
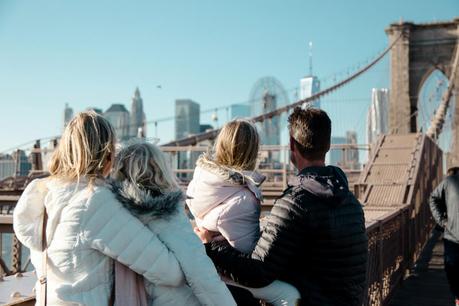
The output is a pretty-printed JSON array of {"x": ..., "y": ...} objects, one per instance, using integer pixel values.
[
  {"x": 237, "y": 145},
  {"x": 85, "y": 148},
  {"x": 144, "y": 165}
]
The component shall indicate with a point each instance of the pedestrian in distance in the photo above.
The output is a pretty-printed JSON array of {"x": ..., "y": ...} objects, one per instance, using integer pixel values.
[{"x": 444, "y": 204}]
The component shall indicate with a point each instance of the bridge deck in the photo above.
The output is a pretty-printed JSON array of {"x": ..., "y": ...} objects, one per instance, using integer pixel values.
[{"x": 427, "y": 285}]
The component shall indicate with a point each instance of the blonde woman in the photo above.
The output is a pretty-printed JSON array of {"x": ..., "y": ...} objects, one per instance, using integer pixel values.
[
  {"x": 146, "y": 186},
  {"x": 224, "y": 197},
  {"x": 87, "y": 226}
]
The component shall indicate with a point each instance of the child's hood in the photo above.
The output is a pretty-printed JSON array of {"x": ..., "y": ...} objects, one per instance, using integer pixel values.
[{"x": 213, "y": 184}]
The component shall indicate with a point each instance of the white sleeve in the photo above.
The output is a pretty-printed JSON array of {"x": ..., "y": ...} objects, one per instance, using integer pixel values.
[
  {"x": 199, "y": 270},
  {"x": 28, "y": 215},
  {"x": 112, "y": 230}
]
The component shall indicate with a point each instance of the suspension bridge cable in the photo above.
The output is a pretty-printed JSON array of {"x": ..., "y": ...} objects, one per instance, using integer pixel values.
[
  {"x": 436, "y": 126},
  {"x": 192, "y": 140},
  {"x": 28, "y": 143}
]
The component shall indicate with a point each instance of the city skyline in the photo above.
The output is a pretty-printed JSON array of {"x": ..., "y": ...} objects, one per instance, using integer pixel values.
[{"x": 183, "y": 50}]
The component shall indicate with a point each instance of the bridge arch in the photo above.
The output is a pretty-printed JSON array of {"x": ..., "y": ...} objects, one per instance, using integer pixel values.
[{"x": 422, "y": 49}]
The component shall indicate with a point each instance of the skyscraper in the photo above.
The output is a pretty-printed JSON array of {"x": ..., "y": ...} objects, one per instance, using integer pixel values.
[
  {"x": 137, "y": 115},
  {"x": 309, "y": 86},
  {"x": 118, "y": 116},
  {"x": 187, "y": 118},
  {"x": 68, "y": 114},
  {"x": 378, "y": 114}
]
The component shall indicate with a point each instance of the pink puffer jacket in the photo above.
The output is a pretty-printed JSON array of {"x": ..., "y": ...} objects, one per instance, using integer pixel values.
[{"x": 226, "y": 201}]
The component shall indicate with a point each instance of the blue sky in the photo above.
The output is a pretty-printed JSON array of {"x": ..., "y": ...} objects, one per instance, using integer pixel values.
[{"x": 94, "y": 53}]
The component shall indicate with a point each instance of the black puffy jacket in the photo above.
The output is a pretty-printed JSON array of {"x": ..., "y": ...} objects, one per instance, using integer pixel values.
[{"x": 315, "y": 239}]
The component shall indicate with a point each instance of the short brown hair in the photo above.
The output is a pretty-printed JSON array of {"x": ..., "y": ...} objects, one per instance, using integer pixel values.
[
  {"x": 310, "y": 130},
  {"x": 237, "y": 145},
  {"x": 452, "y": 171}
]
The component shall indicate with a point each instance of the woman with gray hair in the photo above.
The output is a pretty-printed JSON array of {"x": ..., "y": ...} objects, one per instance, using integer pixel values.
[{"x": 145, "y": 185}]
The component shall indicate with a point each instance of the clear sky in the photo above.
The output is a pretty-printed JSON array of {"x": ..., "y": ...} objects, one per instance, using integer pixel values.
[{"x": 94, "y": 53}]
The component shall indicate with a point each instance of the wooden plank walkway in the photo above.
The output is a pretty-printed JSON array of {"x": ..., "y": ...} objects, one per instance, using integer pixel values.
[{"x": 427, "y": 285}]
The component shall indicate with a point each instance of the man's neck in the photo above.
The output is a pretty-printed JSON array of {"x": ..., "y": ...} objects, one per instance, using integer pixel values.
[{"x": 304, "y": 163}]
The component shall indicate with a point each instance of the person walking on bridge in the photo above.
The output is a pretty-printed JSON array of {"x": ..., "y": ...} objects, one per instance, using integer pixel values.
[
  {"x": 444, "y": 204},
  {"x": 315, "y": 237}
]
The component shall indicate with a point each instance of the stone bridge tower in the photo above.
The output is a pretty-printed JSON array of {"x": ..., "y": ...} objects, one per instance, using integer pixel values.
[{"x": 421, "y": 49}]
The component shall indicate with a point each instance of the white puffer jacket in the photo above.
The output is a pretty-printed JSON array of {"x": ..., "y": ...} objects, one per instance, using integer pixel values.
[
  {"x": 164, "y": 214},
  {"x": 86, "y": 226},
  {"x": 226, "y": 201}
]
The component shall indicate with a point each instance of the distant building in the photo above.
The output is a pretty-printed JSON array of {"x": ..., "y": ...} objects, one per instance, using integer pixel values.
[
  {"x": 95, "y": 109},
  {"x": 205, "y": 127},
  {"x": 238, "y": 111},
  {"x": 22, "y": 161},
  {"x": 14, "y": 164},
  {"x": 378, "y": 114},
  {"x": 118, "y": 116},
  {"x": 7, "y": 166},
  {"x": 127, "y": 124},
  {"x": 309, "y": 86},
  {"x": 346, "y": 157},
  {"x": 137, "y": 116},
  {"x": 187, "y": 117},
  {"x": 270, "y": 133},
  {"x": 351, "y": 154},
  {"x": 337, "y": 155},
  {"x": 68, "y": 114}
]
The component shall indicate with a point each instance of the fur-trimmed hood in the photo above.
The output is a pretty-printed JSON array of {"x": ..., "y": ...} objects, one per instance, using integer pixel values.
[
  {"x": 213, "y": 184},
  {"x": 146, "y": 204}
]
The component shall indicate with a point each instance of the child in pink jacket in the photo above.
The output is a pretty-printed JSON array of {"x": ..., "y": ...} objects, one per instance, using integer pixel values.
[{"x": 224, "y": 197}]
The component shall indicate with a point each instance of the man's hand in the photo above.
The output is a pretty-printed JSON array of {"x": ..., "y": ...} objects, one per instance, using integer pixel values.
[{"x": 205, "y": 235}]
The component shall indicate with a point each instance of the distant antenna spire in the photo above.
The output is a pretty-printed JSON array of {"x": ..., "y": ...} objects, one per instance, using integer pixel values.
[{"x": 310, "y": 58}]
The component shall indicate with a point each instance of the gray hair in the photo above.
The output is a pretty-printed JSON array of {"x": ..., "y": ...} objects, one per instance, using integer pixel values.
[{"x": 144, "y": 165}]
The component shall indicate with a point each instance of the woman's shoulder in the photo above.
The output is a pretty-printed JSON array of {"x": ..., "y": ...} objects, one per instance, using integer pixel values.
[{"x": 99, "y": 194}]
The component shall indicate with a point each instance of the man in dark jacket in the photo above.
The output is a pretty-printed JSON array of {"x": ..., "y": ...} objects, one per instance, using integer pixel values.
[
  {"x": 444, "y": 204},
  {"x": 315, "y": 236}
]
